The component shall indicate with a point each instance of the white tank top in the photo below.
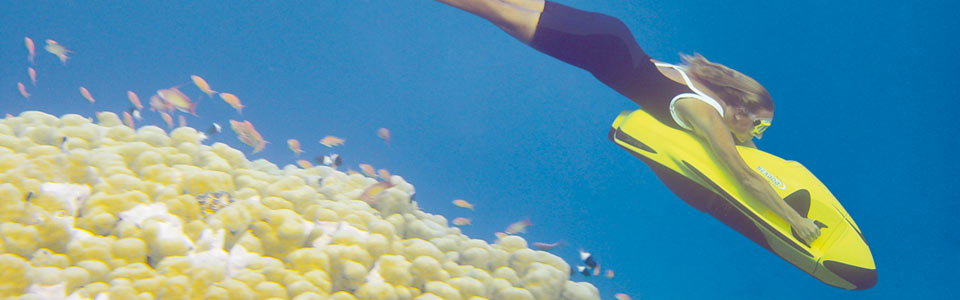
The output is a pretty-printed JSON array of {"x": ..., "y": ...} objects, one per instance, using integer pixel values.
[{"x": 697, "y": 94}]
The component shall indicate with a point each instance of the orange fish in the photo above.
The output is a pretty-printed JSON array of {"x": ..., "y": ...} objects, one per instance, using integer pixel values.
[
  {"x": 178, "y": 100},
  {"x": 621, "y": 296},
  {"x": 294, "y": 146},
  {"x": 233, "y": 101},
  {"x": 167, "y": 119},
  {"x": 30, "y": 53},
  {"x": 368, "y": 170},
  {"x": 596, "y": 271},
  {"x": 331, "y": 141},
  {"x": 134, "y": 100},
  {"x": 463, "y": 203},
  {"x": 33, "y": 75},
  {"x": 304, "y": 164},
  {"x": 202, "y": 85},
  {"x": 156, "y": 104},
  {"x": 86, "y": 94},
  {"x": 545, "y": 246},
  {"x": 182, "y": 120},
  {"x": 608, "y": 274},
  {"x": 373, "y": 190},
  {"x": 57, "y": 50},
  {"x": 384, "y": 134},
  {"x": 461, "y": 221},
  {"x": 23, "y": 90},
  {"x": 248, "y": 135},
  {"x": 383, "y": 174},
  {"x": 128, "y": 120},
  {"x": 500, "y": 235},
  {"x": 518, "y": 227}
]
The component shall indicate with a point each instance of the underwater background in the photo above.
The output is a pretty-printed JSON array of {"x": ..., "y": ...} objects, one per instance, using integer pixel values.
[{"x": 864, "y": 94}]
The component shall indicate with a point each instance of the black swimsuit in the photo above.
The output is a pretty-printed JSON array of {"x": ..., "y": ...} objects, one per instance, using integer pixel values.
[{"x": 603, "y": 45}]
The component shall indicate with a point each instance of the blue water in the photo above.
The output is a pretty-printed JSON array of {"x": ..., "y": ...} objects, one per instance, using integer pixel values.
[{"x": 863, "y": 90}]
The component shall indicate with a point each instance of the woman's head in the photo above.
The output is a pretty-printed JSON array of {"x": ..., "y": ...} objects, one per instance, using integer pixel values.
[
  {"x": 734, "y": 87},
  {"x": 753, "y": 108}
]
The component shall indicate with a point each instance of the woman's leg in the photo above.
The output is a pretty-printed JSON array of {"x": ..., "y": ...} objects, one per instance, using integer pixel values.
[{"x": 515, "y": 17}]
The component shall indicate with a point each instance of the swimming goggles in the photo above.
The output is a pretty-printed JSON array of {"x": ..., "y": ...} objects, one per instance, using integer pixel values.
[{"x": 759, "y": 125}]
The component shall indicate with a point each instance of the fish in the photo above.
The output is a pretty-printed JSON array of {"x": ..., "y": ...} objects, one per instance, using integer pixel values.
[
  {"x": 128, "y": 120},
  {"x": 248, "y": 135},
  {"x": 167, "y": 119},
  {"x": 384, "y": 134},
  {"x": 294, "y": 146},
  {"x": 383, "y": 174},
  {"x": 156, "y": 104},
  {"x": 332, "y": 160},
  {"x": 582, "y": 270},
  {"x": 460, "y": 221},
  {"x": 545, "y": 246},
  {"x": 233, "y": 101},
  {"x": 134, "y": 100},
  {"x": 621, "y": 296},
  {"x": 500, "y": 235},
  {"x": 136, "y": 115},
  {"x": 58, "y": 50},
  {"x": 182, "y": 121},
  {"x": 367, "y": 170},
  {"x": 202, "y": 85},
  {"x": 463, "y": 203},
  {"x": 596, "y": 271},
  {"x": 23, "y": 90},
  {"x": 33, "y": 75},
  {"x": 373, "y": 190},
  {"x": 30, "y": 51},
  {"x": 214, "y": 129},
  {"x": 608, "y": 274},
  {"x": 173, "y": 97},
  {"x": 587, "y": 259},
  {"x": 304, "y": 164},
  {"x": 331, "y": 141},
  {"x": 518, "y": 227},
  {"x": 86, "y": 94}
]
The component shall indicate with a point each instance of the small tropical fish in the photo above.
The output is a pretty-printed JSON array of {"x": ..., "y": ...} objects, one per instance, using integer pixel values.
[
  {"x": 294, "y": 146},
  {"x": 383, "y": 174},
  {"x": 587, "y": 259},
  {"x": 463, "y": 203},
  {"x": 518, "y": 227},
  {"x": 23, "y": 90},
  {"x": 304, "y": 164},
  {"x": 583, "y": 270},
  {"x": 545, "y": 246},
  {"x": 128, "y": 120},
  {"x": 331, "y": 141},
  {"x": 33, "y": 75},
  {"x": 621, "y": 296},
  {"x": 202, "y": 85},
  {"x": 167, "y": 119},
  {"x": 173, "y": 97},
  {"x": 134, "y": 99},
  {"x": 500, "y": 235},
  {"x": 367, "y": 170},
  {"x": 384, "y": 134},
  {"x": 30, "y": 51},
  {"x": 214, "y": 129},
  {"x": 57, "y": 50},
  {"x": 136, "y": 115},
  {"x": 332, "y": 160},
  {"x": 86, "y": 94},
  {"x": 596, "y": 271},
  {"x": 461, "y": 221},
  {"x": 608, "y": 274},
  {"x": 156, "y": 104},
  {"x": 248, "y": 135},
  {"x": 233, "y": 101},
  {"x": 182, "y": 121},
  {"x": 373, "y": 190}
]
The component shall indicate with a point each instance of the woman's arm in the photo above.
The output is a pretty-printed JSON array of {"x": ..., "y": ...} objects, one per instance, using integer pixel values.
[{"x": 707, "y": 123}]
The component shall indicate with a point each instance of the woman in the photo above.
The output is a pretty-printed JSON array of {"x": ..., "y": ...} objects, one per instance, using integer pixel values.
[{"x": 718, "y": 104}]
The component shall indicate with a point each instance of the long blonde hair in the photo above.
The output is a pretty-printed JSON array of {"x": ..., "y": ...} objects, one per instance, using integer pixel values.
[{"x": 728, "y": 83}]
